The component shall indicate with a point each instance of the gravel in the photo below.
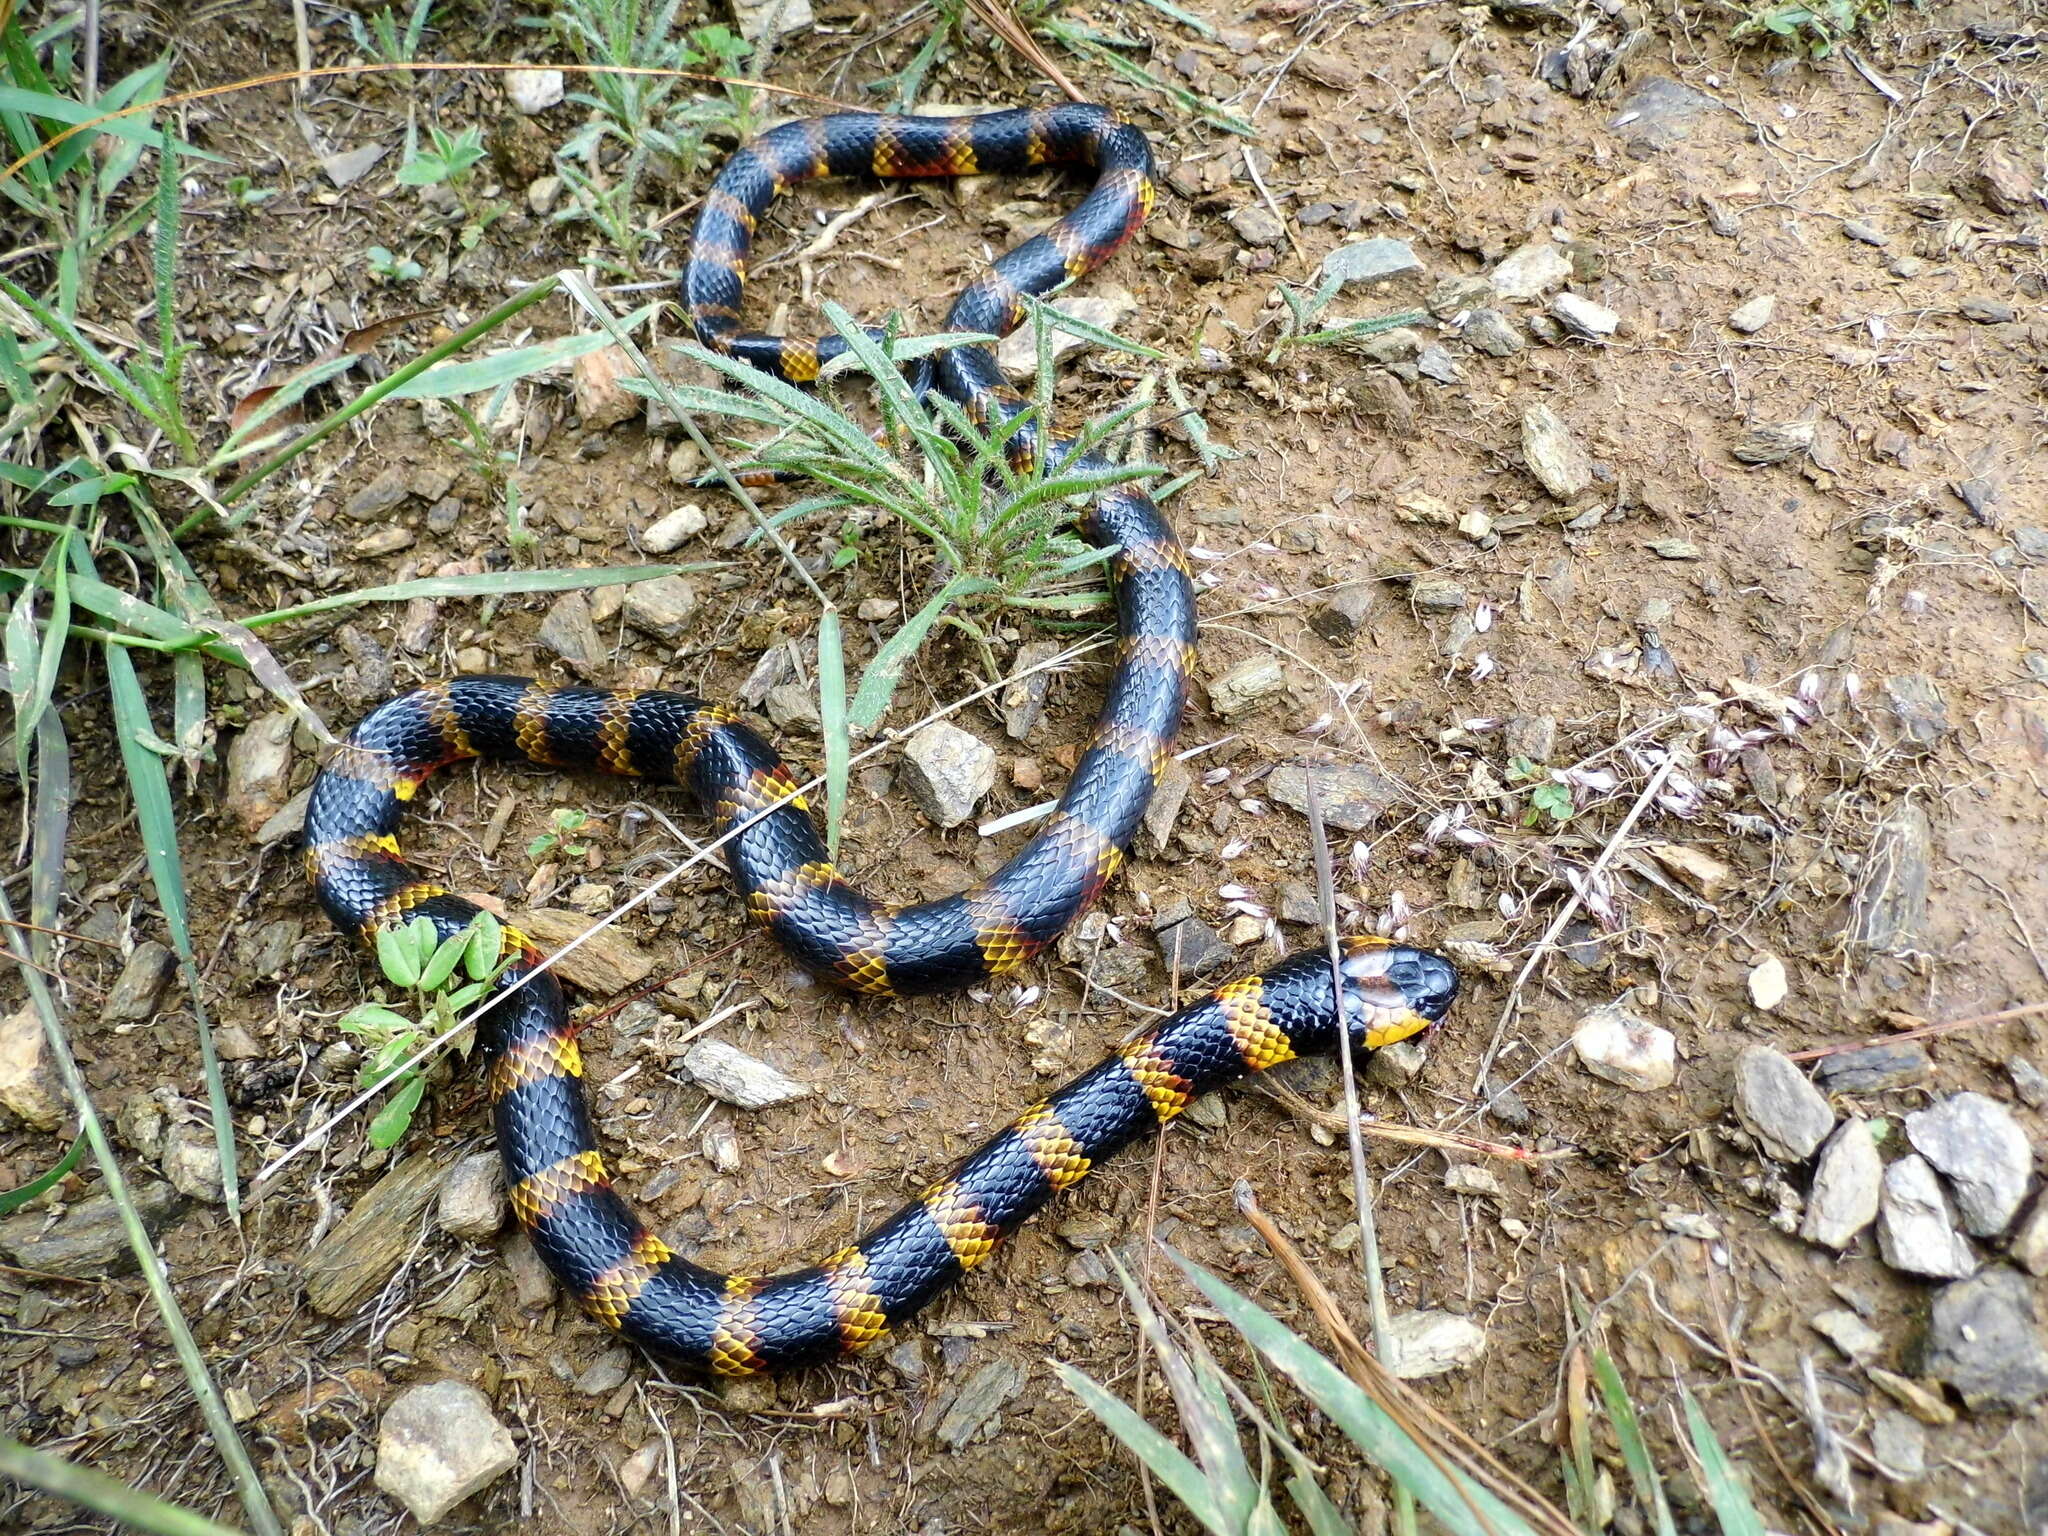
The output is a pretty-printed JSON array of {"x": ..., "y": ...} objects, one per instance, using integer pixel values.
[{"x": 1847, "y": 1182}]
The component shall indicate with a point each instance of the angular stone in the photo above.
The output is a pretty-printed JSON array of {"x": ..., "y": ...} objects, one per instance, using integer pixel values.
[
  {"x": 1553, "y": 454},
  {"x": 1352, "y": 796},
  {"x": 29, "y": 1089},
  {"x": 140, "y": 985},
  {"x": 726, "y": 1072},
  {"x": 1873, "y": 1069},
  {"x": 1584, "y": 318},
  {"x": 1423, "y": 1344},
  {"x": 569, "y": 631},
  {"x": 606, "y": 1374},
  {"x": 1017, "y": 353},
  {"x": 1983, "y": 1340},
  {"x": 1532, "y": 271},
  {"x": 1377, "y": 260},
  {"x": 1343, "y": 615},
  {"x": 1888, "y": 912},
  {"x": 978, "y": 1403},
  {"x": 1778, "y": 1106},
  {"x": 1849, "y": 1333},
  {"x": 1614, "y": 1043},
  {"x": 1920, "y": 710},
  {"x": 661, "y": 607},
  {"x": 259, "y": 770},
  {"x": 1900, "y": 1444},
  {"x": 1846, "y": 1184},
  {"x": 438, "y": 1444},
  {"x": 472, "y": 1203},
  {"x": 364, "y": 1249},
  {"x": 1254, "y": 224},
  {"x": 1192, "y": 949},
  {"x": 1023, "y": 697},
  {"x": 2030, "y": 1242},
  {"x": 1491, "y": 332},
  {"x": 88, "y": 1242},
  {"x": 667, "y": 533},
  {"x": 381, "y": 495},
  {"x": 191, "y": 1161},
  {"x": 1163, "y": 810},
  {"x": 1658, "y": 114},
  {"x": 533, "y": 90},
  {"x": 1975, "y": 1141},
  {"x": 792, "y": 707},
  {"x": 1245, "y": 686},
  {"x": 1773, "y": 442},
  {"x": 1752, "y": 315},
  {"x": 606, "y": 962},
  {"x": 1915, "y": 1232},
  {"x": 772, "y": 19},
  {"x": 948, "y": 771}
]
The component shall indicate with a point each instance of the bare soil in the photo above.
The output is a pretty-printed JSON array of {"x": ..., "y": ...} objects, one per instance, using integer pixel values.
[{"x": 1853, "y": 564}]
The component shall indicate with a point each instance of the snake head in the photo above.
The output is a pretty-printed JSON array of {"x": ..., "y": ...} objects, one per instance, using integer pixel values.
[{"x": 1392, "y": 991}]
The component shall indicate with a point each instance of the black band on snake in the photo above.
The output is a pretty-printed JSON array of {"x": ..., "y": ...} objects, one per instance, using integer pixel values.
[{"x": 560, "y": 1191}]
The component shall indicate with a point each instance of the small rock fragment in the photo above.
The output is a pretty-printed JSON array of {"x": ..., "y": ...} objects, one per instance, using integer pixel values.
[
  {"x": 533, "y": 90},
  {"x": 977, "y": 1405},
  {"x": 1696, "y": 867},
  {"x": 1846, "y": 1184},
  {"x": 1531, "y": 272},
  {"x": 141, "y": 983},
  {"x": 1583, "y": 318},
  {"x": 601, "y": 400},
  {"x": 1923, "y": 1402},
  {"x": 364, "y": 1249},
  {"x": 772, "y": 20},
  {"x": 1873, "y": 1069},
  {"x": 1017, "y": 353},
  {"x": 948, "y": 771},
  {"x": 1977, "y": 1143},
  {"x": 606, "y": 962},
  {"x": 1982, "y": 1339},
  {"x": 606, "y": 1374},
  {"x": 1423, "y": 1344},
  {"x": 259, "y": 770},
  {"x": 1352, "y": 796},
  {"x": 29, "y": 1089},
  {"x": 792, "y": 707},
  {"x": 2004, "y": 181},
  {"x": 542, "y": 193},
  {"x": 1163, "y": 810},
  {"x": 1984, "y": 311},
  {"x": 381, "y": 495},
  {"x": 2028, "y": 1081},
  {"x": 1849, "y": 1333},
  {"x": 1920, "y": 710},
  {"x": 729, "y": 1073},
  {"x": 661, "y": 607},
  {"x": 571, "y": 633},
  {"x": 1255, "y": 225},
  {"x": 1773, "y": 442},
  {"x": 1192, "y": 949},
  {"x": 1915, "y": 1232},
  {"x": 1888, "y": 911},
  {"x": 1752, "y": 315},
  {"x": 1371, "y": 261},
  {"x": 1554, "y": 456},
  {"x": 1767, "y": 984},
  {"x": 666, "y": 534},
  {"x": 1491, "y": 332},
  {"x": 191, "y": 1161},
  {"x": 472, "y": 1203},
  {"x": 2030, "y": 1242},
  {"x": 1343, "y": 615},
  {"x": 1614, "y": 1043},
  {"x": 1023, "y": 698},
  {"x": 1245, "y": 686},
  {"x": 1778, "y": 1106},
  {"x": 1397, "y": 1064},
  {"x": 1900, "y": 1445},
  {"x": 1866, "y": 234},
  {"x": 88, "y": 1242},
  {"x": 438, "y": 1444}
]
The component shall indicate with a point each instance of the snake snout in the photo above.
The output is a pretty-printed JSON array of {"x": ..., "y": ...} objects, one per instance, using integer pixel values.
[{"x": 1428, "y": 981}]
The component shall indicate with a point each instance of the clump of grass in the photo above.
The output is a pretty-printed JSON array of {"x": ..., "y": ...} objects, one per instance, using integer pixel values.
[
  {"x": 379, "y": 35},
  {"x": 1817, "y": 26}
]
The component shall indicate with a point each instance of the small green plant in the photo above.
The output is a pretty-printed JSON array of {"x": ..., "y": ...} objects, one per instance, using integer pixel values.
[
  {"x": 567, "y": 823},
  {"x": 244, "y": 193},
  {"x": 448, "y": 158},
  {"x": 377, "y": 35},
  {"x": 1304, "y": 324},
  {"x": 388, "y": 268},
  {"x": 1817, "y": 26},
  {"x": 442, "y": 978},
  {"x": 1547, "y": 796}
]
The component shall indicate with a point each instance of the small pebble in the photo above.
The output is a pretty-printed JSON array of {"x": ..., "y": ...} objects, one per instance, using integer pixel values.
[
  {"x": 948, "y": 772},
  {"x": 1975, "y": 1141},
  {"x": 1613, "y": 1043},
  {"x": 1847, "y": 1184},
  {"x": 1868, "y": 234},
  {"x": 1583, "y": 318},
  {"x": 1778, "y": 1106},
  {"x": 668, "y": 533},
  {"x": 1983, "y": 1339},
  {"x": 439, "y": 1443},
  {"x": 1752, "y": 315},
  {"x": 726, "y": 1072},
  {"x": 1915, "y": 1230},
  {"x": 1421, "y": 1344}
]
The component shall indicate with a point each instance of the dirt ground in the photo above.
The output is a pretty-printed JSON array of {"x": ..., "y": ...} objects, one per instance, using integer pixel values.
[{"x": 1672, "y": 606}]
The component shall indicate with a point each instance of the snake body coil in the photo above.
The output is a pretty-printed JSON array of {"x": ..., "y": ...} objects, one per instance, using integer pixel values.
[{"x": 560, "y": 1190}]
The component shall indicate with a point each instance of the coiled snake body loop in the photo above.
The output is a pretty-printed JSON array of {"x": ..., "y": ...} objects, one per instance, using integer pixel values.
[{"x": 560, "y": 1189}]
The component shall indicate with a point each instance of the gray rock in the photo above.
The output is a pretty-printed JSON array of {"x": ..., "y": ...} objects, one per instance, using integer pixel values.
[
  {"x": 1396, "y": 1065},
  {"x": 1778, "y": 1106},
  {"x": 1246, "y": 686},
  {"x": 1423, "y": 1344},
  {"x": 1849, "y": 1333},
  {"x": 533, "y": 90},
  {"x": 1900, "y": 1444},
  {"x": 2028, "y": 1081},
  {"x": 88, "y": 1241},
  {"x": 1888, "y": 911},
  {"x": 1847, "y": 1182},
  {"x": 667, "y": 534},
  {"x": 542, "y": 193},
  {"x": 472, "y": 1202},
  {"x": 1773, "y": 442},
  {"x": 1437, "y": 594},
  {"x": 1163, "y": 810},
  {"x": 1866, "y": 234},
  {"x": 29, "y": 1089},
  {"x": 772, "y": 19},
  {"x": 1531, "y": 272},
  {"x": 661, "y": 607},
  {"x": 1531, "y": 736},
  {"x": 1298, "y": 903},
  {"x": 1491, "y": 332},
  {"x": 191, "y": 1161},
  {"x": 1985, "y": 311},
  {"x": 1017, "y": 353},
  {"x": 2030, "y": 1242},
  {"x": 606, "y": 1374},
  {"x": 1920, "y": 710},
  {"x": 1254, "y": 224},
  {"x": 948, "y": 771},
  {"x": 1023, "y": 698},
  {"x": 1584, "y": 318},
  {"x": 978, "y": 1404},
  {"x": 1553, "y": 454},
  {"x": 1192, "y": 949},
  {"x": 1353, "y": 796},
  {"x": 1433, "y": 362},
  {"x": 571, "y": 634},
  {"x": 791, "y": 707},
  {"x": 438, "y": 1444},
  {"x": 1659, "y": 113},
  {"x": 1915, "y": 1231},
  {"x": 1982, "y": 1339},
  {"x": 1752, "y": 315},
  {"x": 1873, "y": 1069},
  {"x": 259, "y": 770},
  {"x": 1977, "y": 1143},
  {"x": 729, "y": 1073},
  {"x": 1614, "y": 1043},
  {"x": 381, "y": 495},
  {"x": 1371, "y": 261}
]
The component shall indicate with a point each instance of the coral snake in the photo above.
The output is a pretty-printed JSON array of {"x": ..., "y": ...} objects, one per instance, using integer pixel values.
[{"x": 560, "y": 1189}]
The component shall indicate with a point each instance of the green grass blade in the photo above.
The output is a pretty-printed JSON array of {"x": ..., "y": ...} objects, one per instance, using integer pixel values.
[
  {"x": 453, "y": 381},
  {"x": 833, "y": 722},
  {"x": 100, "y": 1494},
  {"x": 1165, "y": 1460},
  {"x": 250, "y": 437},
  {"x": 1461, "y": 1504},
  {"x": 1059, "y": 320},
  {"x": 14, "y": 1199},
  {"x": 61, "y": 109},
  {"x": 878, "y": 683},
  {"x": 488, "y": 584},
  {"x": 1635, "y": 1450},
  {"x": 49, "y": 831},
  {"x": 1731, "y": 1501},
  {"x": 104, "y": 368}
]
